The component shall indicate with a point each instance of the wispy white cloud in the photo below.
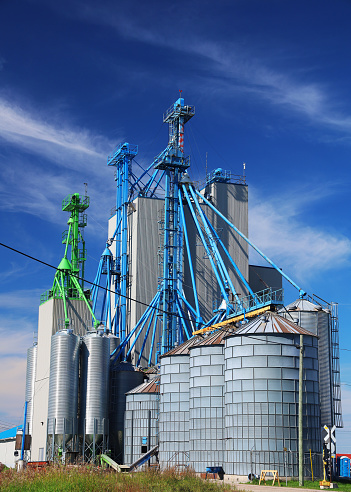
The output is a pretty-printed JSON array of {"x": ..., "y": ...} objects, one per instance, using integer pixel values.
[
  {"x": 41, "y": 184},
  {"x": 16, "y": 337},
  {"x": 230, "y": 67},
  {"x": 73, "y": 148},
  {"x": 12, "y": 389},
  {"x": 279, "y": 227},
  {"x": 21, "y": 300},
  {"x": 43, "y": 191}
]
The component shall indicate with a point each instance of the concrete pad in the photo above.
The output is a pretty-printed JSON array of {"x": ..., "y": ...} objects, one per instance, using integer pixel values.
[{"x": 248, "y": 487}]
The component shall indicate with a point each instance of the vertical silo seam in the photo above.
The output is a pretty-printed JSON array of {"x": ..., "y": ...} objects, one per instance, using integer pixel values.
[{"x": 30, "y": 380}]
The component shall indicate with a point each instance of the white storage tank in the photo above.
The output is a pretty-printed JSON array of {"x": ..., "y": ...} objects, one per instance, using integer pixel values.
[
  {"x": 206, "y": 399},
  {"x": 140, "y": 421},
  {"x": 261, "y": 396},
  {"x": 94, "y": 387},
  {"x": 174, "y": 406},
  {"x": 30, "y": 379},
  {"x": 114, "y": 342},
  {"x": 63, "y": 390},
  {"x": 317, "y": 319}
]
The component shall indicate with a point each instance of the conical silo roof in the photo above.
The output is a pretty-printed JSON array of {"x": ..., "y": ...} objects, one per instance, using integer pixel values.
[
  {"x": 215, "y": 338},
  {"x": 301, "y": 305},
  {"x": 152, "y": 386},
  {"x": 183, "y": 349},
  {"x": 271, "y": 322}
]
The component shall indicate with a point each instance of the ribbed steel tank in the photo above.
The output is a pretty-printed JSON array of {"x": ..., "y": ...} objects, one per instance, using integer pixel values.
[
  {"x": 114, "y": 342},
  {"x": 95, "y": 367},
  {"x": 206, "y": 403},
  {"x": 261, "y": 396},
  {"x": 30, "y": 379},
  {"x": 63, "y": 386},
  {"x": 174, "y": 406},
  {"x": 140, "y": 422},
  {"x": 314, "y": 318},
  {"x": 124, "y": 377}
]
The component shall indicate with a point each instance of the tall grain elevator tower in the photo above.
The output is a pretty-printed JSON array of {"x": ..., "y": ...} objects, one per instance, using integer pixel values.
[{"x": 64, "y": 306}]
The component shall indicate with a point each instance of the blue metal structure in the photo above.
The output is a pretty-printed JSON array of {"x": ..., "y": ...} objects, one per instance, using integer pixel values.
[
  {"x": 24, "y": 430},
  {"x": 121, "y": 158},
  {"x": 170, "y": 318}
]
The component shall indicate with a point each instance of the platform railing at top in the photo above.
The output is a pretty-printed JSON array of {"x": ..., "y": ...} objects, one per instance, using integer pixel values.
[{"x": 262, "y": 298}]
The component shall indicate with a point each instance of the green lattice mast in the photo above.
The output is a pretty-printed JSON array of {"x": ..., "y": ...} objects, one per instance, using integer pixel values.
[{"x": 69, "y": 278}]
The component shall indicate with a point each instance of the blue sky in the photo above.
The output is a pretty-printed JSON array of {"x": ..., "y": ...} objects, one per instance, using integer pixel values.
[{"x": 271, "y": 85}]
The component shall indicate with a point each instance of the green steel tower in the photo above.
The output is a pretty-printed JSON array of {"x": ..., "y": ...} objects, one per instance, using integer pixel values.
[{"x": 69, "y": 278}]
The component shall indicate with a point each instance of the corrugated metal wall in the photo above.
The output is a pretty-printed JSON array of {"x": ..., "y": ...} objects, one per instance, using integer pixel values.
[
  {"x": 77, "y": 312},
  {"x": 140, "y": 425},
  {"x": 174, "y": 411},
  {"x": 63, "y": 385},
  {"x": 232, "y": 201},
  {"x": 261, "y": 276},
  {"x": 30, "y": 380},
  {"x": 318, "y": 322},
  {"x": 206, "y": 423},
  {"x": 123, "y": 377},
  {"x": 261, "y": 401},
  {"x": 143, "y": 249},
  {"x": 94, "y": 385},
  {"x": 144, "y": 241}
]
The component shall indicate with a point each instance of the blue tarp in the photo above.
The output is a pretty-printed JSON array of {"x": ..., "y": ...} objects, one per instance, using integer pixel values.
[{"x": 7, "y": 434}]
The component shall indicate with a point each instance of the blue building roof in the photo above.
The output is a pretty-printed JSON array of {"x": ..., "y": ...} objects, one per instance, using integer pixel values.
[{"x": 10, "y": 433}]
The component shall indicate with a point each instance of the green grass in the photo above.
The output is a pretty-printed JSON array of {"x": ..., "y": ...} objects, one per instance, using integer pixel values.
[
  {"x": 342, "y": 487},
  {"x": 88, "y": 478}
]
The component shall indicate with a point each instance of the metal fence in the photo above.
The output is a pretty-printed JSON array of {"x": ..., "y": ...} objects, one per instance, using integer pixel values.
[{"x": 287, "y": 464}]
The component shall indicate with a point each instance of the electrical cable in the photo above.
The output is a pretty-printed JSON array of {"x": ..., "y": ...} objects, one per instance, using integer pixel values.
[
  {"x": 110, "y": 290},
  {"x": 86, "y": 281}
]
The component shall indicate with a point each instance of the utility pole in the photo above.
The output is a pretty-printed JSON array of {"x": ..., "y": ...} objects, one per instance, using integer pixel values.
[{"x": 301, "y": 477}]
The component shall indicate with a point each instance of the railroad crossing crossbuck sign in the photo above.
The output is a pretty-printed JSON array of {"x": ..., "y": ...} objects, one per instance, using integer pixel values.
[{"x": 330, "y": 438}]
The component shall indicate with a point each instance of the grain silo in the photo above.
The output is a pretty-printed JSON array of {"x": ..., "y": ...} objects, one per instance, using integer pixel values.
[
  {"x": 319, "y": 320},
  {"x": 30, "y": 380},
  {"x": 206, "y": 400},
  {"x": 62, "y": 427},
  {"x": 94, "y": 386},
  {"x": 140, "y": 421},
  {"x": 114, "y": 342},
  {"x": 124, "y": 377},
  {"x": 174, "y": 406},
  {"x": 261, "y": 396}
]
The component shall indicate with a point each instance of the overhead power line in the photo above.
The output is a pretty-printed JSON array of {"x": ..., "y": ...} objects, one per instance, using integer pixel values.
[
  {"x": 110, "y": 290},
  {"x": 89, "y": 282}
]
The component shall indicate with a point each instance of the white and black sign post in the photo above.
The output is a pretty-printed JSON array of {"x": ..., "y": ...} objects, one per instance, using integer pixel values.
[{"x": 330, "y": 442}]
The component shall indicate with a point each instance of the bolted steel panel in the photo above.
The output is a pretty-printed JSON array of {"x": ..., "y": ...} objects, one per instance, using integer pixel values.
[
  {"x": 261, "y": 412},
  {"x": 206, "y": 404}
]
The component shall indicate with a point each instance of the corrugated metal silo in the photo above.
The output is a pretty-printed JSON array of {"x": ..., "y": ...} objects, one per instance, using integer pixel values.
[
  {"x": 114, "y": 342},
  {"x": 95, "y": 367},
  {"x": 63, "y": 387},
  {"x": 140, "y": 422},
  {"x": 174, "y": 406},
  {"x": 314, "y": 318},
  {"x": 124, "y": 377},
  {"x": 30, "y": 379},
  {"x": 261, "y": 396},
  {"x": 206, "y": 399}
]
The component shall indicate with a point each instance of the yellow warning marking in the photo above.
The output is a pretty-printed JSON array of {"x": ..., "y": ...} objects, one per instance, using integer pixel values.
[{"x": 240, "y": 317}]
